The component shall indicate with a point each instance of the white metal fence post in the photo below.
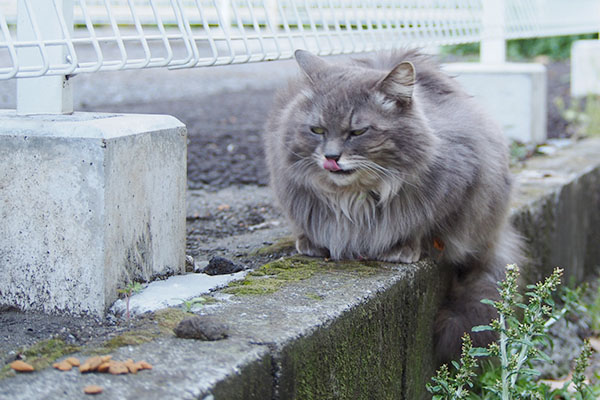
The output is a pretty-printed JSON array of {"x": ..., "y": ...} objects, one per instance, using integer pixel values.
[
  {"x": 39, "y": 20},
  {"x": 225, "y": 15},
  {"x": 493, "y": 41}
]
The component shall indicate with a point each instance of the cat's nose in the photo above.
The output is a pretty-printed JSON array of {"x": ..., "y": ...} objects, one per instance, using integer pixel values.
[{"x": 334, "y": 157}]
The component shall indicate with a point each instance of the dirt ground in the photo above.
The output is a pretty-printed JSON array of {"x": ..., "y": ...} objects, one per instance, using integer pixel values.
[{"x": 225, "y": 149}]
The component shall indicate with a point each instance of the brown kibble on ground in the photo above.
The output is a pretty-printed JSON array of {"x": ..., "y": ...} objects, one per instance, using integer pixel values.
[
  {"x": 107, "y": 364},
  {"x": 21, "y": 366},
  {"x": 131, "y": 366},
  {"x": 145, "y": 365},
  {"x": 73, "y": 361},
  {"x": 104, "y": 366},
  {"x": 224, "y": 207},
  {"x": 91, "y": 364},
  {"x": 92, "y": 389},
  {"x": 63, "y": 366},
  {"x": 118, "y": 368}
]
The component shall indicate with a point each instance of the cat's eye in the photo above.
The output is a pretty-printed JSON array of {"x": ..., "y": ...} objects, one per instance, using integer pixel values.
[
  {"x": 358, "y": 132},
  {"x": 317, "y": 130}
]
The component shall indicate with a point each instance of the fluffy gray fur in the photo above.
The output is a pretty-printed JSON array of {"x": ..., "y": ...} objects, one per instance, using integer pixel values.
[{"x": 418, "y": 161}]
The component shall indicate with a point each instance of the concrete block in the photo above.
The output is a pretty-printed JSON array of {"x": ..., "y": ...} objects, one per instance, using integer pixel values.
[
  {"x": 585, "y": 68},
  {"x": 88, "y": 203},
  {"x": 514, "y": 94}
]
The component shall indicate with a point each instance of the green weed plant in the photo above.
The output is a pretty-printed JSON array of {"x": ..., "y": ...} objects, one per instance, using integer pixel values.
[{"x": 504, "y": 369}]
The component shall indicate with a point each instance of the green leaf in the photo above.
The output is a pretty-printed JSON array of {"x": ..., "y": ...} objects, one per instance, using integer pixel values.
[
  {"x": 541, "y": 356},
  {"x": 482, "y": 328},
  {"x": 530, "y": 371},
  {"x": 479, "y": 352}
]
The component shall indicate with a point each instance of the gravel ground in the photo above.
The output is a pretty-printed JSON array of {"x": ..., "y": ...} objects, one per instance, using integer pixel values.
[{"x": 230, "y": 210}]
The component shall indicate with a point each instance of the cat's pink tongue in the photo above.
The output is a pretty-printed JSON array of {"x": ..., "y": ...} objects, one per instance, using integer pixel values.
[{"x": 331, "y": 165}]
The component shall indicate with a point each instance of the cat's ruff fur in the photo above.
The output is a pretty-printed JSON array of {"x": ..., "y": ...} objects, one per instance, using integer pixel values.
[{"x": 429, "y": 166}]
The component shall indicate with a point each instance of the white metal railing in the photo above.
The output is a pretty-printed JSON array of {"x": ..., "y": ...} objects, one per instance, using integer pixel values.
[{"x": 38, "y": 38}]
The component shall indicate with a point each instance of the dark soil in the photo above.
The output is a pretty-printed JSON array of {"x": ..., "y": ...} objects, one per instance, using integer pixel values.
[{"x": 19, "y": 330}]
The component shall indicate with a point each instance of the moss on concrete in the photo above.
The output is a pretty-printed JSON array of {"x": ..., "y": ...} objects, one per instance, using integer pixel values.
[
  {"x": 42, "y": 354},
  {"x": 254, "y": 381},
  {"x": 168, "y": 318},
  {"x": 6, "y": 372},
  {"x": 379, "y": 350},
  {"x": 314, "y": 296},
  {"x": 133, "y": 338},
  {"x": 284, "y": 245},
  {"x": 272, "y": 276},
  {"x": 159, "y": 324}
]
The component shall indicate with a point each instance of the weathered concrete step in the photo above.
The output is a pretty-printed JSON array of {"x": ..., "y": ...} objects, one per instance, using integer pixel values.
[
  {"x": 345, "y": 331},
  {"x": 363, "y": 325}
]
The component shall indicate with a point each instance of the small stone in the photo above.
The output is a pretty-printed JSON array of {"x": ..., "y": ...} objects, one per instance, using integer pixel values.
[
  {"x": 92, "y": 389},
  {"x": 21, "y": 366},
  {"x": 221, "y": 266},
  {"x": 201, "y": 328},
  {"x": 199, "y": 266},
  {"x": 189, "y": 263}
]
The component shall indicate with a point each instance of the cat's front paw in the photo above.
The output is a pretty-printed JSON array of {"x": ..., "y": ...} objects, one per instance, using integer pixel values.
[
  {"x": 308, "y": 248},
  {"x": 407, "y": 253}
]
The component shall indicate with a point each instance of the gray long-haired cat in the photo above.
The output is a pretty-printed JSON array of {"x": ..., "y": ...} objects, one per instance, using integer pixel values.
[{"x": 389, "y": 159}]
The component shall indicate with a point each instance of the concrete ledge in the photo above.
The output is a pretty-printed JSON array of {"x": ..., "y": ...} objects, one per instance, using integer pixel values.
[
  {"x": 350, "y": 331},
  {"x": 513, "y": 93},
  {"x": 585, "y": 68},
  {"x": 557, "y": 209},
  {"x": 89, "y": 203}
]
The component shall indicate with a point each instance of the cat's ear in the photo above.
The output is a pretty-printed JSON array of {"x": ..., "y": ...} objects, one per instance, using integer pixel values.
[
  {"x": 400, "y": 82},
  {"x": 310, "y": 64}
]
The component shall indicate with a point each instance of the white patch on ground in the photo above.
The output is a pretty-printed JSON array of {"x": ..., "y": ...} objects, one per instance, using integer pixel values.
[{"x": 172, "y": 292}]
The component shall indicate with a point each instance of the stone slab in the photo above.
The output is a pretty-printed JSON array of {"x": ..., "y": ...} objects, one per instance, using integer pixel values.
[
  {"x": 298, "y": 342},
  {"x": 513, "y": 93},
  {"x": 89, "y": 203},
  {"x": 585, "y": 68}
]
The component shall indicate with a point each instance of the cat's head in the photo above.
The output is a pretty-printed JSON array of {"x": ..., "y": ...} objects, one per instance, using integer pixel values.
[{"x": 357, "y": 127}]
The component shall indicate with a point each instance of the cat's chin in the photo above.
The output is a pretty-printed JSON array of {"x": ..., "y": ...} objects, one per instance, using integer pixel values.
[
  {"x": 343, "y": 177},
  {"x": 350, "y": 179},
  {"x": 343, "y": 172}
]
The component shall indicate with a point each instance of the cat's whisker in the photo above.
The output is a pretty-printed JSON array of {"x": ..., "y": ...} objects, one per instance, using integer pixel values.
[
  {"x": 377, "y": 170},
  {"x": 288, "y": 148}
]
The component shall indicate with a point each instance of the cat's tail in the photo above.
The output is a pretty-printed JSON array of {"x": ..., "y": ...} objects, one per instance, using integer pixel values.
[{"x": 463, "y": 308}]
